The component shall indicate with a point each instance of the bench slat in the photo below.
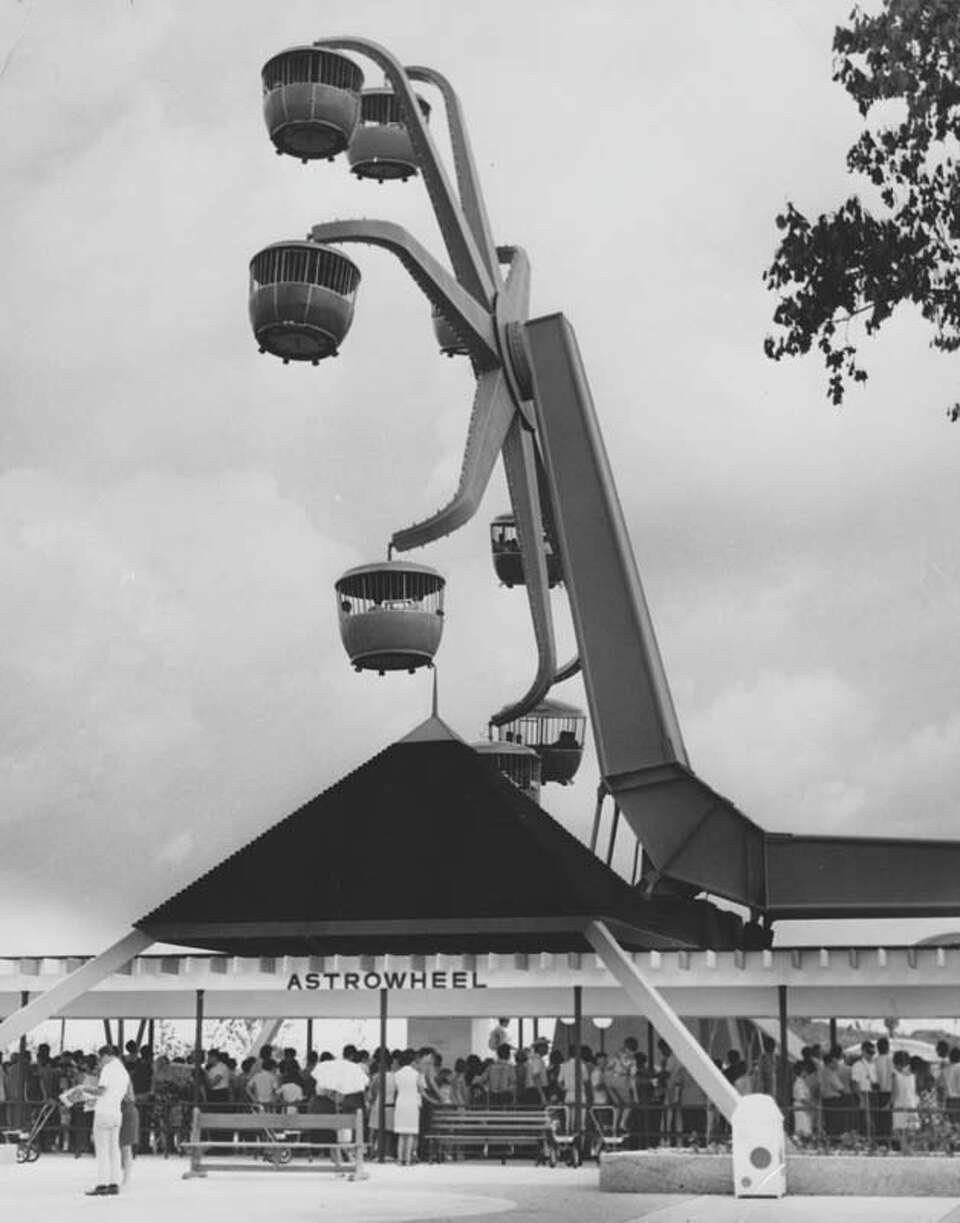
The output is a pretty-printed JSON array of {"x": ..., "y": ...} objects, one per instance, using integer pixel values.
[
  {"x": 278, "y": 1121},
  {"x": 264, "y": 1144}
]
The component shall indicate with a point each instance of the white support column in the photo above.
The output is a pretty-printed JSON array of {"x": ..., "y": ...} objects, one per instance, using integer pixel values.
[
  {"x": 770, "y": 1027},
  {"x": 668, "y": 1023},
  {"x": 73, "y": 986},
  {"x": 265, "y": 1033}
]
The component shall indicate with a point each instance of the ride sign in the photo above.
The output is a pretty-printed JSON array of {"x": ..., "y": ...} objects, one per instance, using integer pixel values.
[{"x": 439, "y": 979}]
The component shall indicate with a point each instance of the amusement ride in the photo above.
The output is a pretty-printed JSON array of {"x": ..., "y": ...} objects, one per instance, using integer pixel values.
[{"x": 532, "y": 407}]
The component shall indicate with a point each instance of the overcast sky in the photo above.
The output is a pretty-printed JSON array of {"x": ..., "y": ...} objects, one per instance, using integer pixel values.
[{"x": 175, "y": 508}]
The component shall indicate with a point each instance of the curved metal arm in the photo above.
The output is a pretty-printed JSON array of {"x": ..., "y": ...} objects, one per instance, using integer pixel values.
[
  {"x": 468, "y": 181},
  {"x": 568, "y": 670},
  {"x": 471, "y": 322},
  {"x": 493, "y": 412},
  {"x": 520, "y": 465},
  {"x": 468, "y": 265}
]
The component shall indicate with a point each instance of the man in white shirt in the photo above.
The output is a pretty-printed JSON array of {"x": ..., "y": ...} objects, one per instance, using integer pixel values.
[
  {"x": 112, "y": 1085},
  {"x": 863, "y": 1079},
  {"x": 342, "y": 1080}
]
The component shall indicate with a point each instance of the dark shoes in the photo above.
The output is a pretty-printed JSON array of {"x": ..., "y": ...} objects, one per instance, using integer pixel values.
[{"x": 103, "y": 1191}]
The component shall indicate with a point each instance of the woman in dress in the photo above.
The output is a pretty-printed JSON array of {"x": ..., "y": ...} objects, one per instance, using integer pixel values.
[
  {"x": 802, "y": 1100},
  {"x": 903, "y": 1099},
  {"x": 406, "y": 1114},
  {"x": 129, "y": 1132},
  {"x": 389, "y": 1098}
]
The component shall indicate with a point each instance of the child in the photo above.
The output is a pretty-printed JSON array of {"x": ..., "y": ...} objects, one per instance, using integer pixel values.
[{"x": 445, "y": 1087}]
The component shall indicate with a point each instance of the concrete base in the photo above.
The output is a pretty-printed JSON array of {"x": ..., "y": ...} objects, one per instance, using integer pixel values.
[{"x": 816, "y": 1175}]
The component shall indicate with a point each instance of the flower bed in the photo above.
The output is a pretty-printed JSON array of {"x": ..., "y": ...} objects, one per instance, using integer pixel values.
[{"x": 809, "y": 1172}]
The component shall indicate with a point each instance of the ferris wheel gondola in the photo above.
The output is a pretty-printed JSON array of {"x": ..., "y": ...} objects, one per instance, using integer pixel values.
[
  {"x": 507, "y": 561},
  {"x": 391, "y": 615},
  {"x": 380, "y": 147},
  {"x": 301, "y": 299},
  {"x": 555, "y": 731},
  {"x": 311, "y": 102},
  {"x": 518, "y": 763}
]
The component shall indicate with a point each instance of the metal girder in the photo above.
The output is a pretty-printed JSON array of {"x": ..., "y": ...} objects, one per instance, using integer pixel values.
[
  {"x": 688, "y": 831},
  {"x": 812, "y": 876},
  {"x": 631, "y": 707},
  {"x": 706, "y": 841},
  {"x": 693, "y": 834}
]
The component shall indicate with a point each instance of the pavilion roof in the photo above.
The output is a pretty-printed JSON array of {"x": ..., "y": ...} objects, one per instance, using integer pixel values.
[{"x": 424, "y": 848}]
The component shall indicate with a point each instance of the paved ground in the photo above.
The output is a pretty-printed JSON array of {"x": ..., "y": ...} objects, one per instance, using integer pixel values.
[{"x": 51, "y": 1191}]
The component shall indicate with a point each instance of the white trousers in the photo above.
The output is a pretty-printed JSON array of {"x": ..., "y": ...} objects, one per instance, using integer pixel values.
[{"x": 106, "y": 1143}]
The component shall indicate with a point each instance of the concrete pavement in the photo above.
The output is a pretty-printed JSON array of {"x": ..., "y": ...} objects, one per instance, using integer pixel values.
[{"x": 51, "y": 1190}]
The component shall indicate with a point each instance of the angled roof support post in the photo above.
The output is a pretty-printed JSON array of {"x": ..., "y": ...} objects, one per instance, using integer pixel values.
[
  {"x": 71, "y": 987},
  {"x": 264, "y": 1033},
  {"x": 651, "y": 1004}
]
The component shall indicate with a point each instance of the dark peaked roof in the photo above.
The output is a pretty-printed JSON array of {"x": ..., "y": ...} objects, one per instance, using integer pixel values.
[{"x": 425, "y": 848}]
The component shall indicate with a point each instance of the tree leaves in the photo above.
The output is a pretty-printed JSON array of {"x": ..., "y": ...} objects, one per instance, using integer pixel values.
[{"x": 854, "y": 265}]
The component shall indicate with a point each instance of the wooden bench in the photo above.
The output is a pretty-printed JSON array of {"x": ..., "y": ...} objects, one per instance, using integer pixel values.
[
  {"x": 277, "y": 1137},
  {"x": 460, "y": 1128}
]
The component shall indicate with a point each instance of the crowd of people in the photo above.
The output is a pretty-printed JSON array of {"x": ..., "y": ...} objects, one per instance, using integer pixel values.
[
  {"x": 883, "y": 1095},
  {"x": 642, "y": 1101}
]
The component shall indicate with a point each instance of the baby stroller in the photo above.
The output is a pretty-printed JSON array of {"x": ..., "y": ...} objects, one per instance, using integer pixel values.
[
  {"x": 277, "y": 1155},
  {"x": 603, "y": 1125},
  {"x": 28, "y": 1141},
  {"x": 564, "y": 1140}
]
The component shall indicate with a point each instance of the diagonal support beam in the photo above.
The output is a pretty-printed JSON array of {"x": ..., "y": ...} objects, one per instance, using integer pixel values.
[
  {"x": 265, "y": 1033},
  {"x": 79, "y": 982},
  {"x": 650, "y": 1002}
]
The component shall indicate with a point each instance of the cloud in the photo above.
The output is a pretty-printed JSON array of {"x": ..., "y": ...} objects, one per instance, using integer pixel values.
[
  {"x": 808, "y": 753},
  {"x": 774, "y": 746},
  {"x": 164, "y": 643}
]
